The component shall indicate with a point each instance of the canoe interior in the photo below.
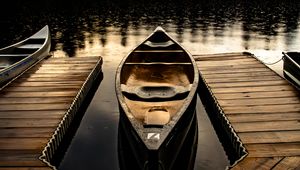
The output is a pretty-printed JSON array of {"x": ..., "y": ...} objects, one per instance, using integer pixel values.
[
  {"x": 295, "y": 56},
  {"x": 9, "y": 56},
  {"x": 156, "y": 79}
]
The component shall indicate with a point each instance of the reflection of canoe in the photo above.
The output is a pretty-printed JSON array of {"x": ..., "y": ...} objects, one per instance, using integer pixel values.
[
  {"x": 16, "y": 58},
  {"x": 156, "y": 88},
  {"x": 186, "y": 155},
  {"x": 291, "y": 67}
]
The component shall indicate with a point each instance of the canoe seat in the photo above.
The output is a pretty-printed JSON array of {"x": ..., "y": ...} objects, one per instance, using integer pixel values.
[
  {"x": 31, "y": 46},
  {"x": 2, "y": 67},
  {"x": 159, "y": 44},
  {"x": 158, "y": 63},
  {"x": 155, "y": 92},
  {"x": 14, "y": 55},
  {"x": 156, "y": 116}
]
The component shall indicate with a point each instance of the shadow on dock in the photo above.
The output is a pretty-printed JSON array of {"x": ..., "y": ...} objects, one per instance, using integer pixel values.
[{"x": 65, "y": 143}]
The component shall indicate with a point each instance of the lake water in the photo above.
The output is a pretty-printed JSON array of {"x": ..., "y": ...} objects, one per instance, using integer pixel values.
[{"x": 111, "y": 29}]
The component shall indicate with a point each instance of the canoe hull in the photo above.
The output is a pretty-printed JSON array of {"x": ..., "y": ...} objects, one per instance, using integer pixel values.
[
  {"x": 166, "y": 157},
  {"x": 291, "y": 68}
]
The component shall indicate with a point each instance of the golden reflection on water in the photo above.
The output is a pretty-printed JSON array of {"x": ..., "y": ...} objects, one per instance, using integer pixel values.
[{"x": 113, "y": 46}]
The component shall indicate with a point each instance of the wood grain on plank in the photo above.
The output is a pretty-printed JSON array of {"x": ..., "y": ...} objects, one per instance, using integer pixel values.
[
  {"x": 258, "y": 102},
  {"x": 242, "y": 79},
  {"x": 294, "y": 107},
  {"x": 266, "y": 126},
  {"x": 228, "y": 71},
  {"x": 250, "y": 83},
  {"x": 31, "y": 114},
  {"x": 23, "y": 143},
  {"x": 35, "y": 106},
  {"x": 42, "y": 84},
  {"x": 288, "y": 163},
  {"x": 42, "y": 132},
  {"x": 15, "y": 159},
  {"x": 250, "y": 89},
  {"x": 263, "y": 117},
  {"x": 273, "y": 150},
  {"x": 235, "y": 74},
  {"x": 270, "y": 137},
  {"x": 256, "y": 95},
  {"x": 43, "y": 88},
  {"x": 33, "y": 123},
  {"x": 257, "y": 163}
]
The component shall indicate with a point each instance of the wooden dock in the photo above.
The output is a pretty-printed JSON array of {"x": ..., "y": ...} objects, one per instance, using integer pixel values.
[
  {"x": 258, "y": 110},
  {"x": 37, "y": 108}
]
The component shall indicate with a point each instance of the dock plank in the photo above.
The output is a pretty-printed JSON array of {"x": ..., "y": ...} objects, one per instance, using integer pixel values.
[
  {"x": 259, "y": 102},
  {"x": 42, "y": 132},
  {"x": 250, "y": 89},
  {"x": 34, "y": 106},
  {"x": 295, "y": 107},
  {"x": 273, "y": 149},
  {"x": 270, "y": 137},
  {"x": 266, "y": 126},
  {"x": 258, "y": 117},
  {"x": 18, "y": 159},
  {"x": 35, "y": 100},
  {"x": 23, "y": 143},
  {"x": 288, "y": 163},
  {"x": 260, "y": 106},
  {"x": 40, "y": 94},
  {"x": 31, "y": 114},
  {"x": 257, "y": 163},
  {"x": 256, "y": 95},
  {"x": 33, "y": 122}
]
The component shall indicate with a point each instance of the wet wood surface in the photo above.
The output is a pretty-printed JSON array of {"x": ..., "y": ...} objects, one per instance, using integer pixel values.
[
  {"x": 32, "y": 106},
  {"x": 261, "y": 106}
]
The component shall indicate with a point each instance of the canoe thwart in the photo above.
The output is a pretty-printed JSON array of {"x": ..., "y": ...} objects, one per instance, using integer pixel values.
[
  {"x": 158, "y": 63},
  {"x": 159, "y": 44},
  {"x": 155, "y": 92}
]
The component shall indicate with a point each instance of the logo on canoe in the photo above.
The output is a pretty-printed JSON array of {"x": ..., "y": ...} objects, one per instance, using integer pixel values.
[{"x": 155, "y": 136}]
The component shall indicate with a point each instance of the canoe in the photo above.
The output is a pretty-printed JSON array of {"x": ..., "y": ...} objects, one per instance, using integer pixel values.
[
  {"x": 16, "y": 58},
  {"x": 291, "y": 67},
  {"x": 156, "y": 87}
]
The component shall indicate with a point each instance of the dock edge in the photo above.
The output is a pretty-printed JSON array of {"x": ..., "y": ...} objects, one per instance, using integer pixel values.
[
  {"x": 54, "y": 142},
  {"x": 214, "y": 110}
]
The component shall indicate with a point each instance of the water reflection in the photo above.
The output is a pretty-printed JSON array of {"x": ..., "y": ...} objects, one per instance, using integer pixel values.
[
  {"x": 111, "y": 28},
  {"x": 255, "y": 24}
]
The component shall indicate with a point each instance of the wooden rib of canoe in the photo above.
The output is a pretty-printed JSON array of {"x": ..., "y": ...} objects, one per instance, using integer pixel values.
[
  {"x": 291, "y": 67},
  {"x": 16, "y": 58},
  {"x": 156, "y": 87}
]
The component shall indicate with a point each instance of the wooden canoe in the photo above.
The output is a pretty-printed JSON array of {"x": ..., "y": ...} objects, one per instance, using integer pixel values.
[
  {"x": 156, "y": 87},
  {"x": 18, "y": 57},
  {"x": 291, "y": 67}
]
